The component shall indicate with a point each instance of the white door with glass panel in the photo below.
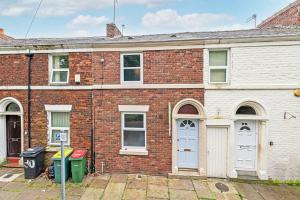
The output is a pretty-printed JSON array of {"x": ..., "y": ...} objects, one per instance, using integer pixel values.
[
  {"x": 187, "y": 137},
  {"x": 246, "y": 145}
]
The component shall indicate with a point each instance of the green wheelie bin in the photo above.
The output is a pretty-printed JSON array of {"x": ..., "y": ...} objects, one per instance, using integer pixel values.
[
  {"x": 57, "y": 164},
  {"x": 78, "y": 165}
]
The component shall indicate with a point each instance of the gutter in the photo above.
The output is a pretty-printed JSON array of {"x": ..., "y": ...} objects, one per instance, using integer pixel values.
[{"x": 30, "y": 57}]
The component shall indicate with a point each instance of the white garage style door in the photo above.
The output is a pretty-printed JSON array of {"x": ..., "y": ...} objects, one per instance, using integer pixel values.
[{"x": 217, "y": 152}]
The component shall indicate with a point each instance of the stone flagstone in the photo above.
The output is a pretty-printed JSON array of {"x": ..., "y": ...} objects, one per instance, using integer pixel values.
[
  {"x": 92, "y": 194},
  {"x": 157, "y": 191},
  {"x": 157, "y": 180},
  {"x": 182, "y": 195},
  {"x": 114, "y": 191},
  {"x": 181, "y": 184},
  {"x": 202, "y": 189},
  {"x": 134, "y": 194}
]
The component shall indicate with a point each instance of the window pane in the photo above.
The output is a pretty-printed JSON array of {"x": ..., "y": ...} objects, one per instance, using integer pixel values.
[
  {"x": 132, "y": 61},
  {"x": 53, "y": 136},
  {"x": 12, "y": 107},
  {"x": 60, "y": 76},
  {"x": 218, "y": 75},
  {"x": 246, "y": 110},
  {"x": 134, "y": 121},
  {"x": 134, "y": 138},
  {"x": 60, "y": 119},
  {"x": 132, "y": 75},
  {"x": 60, "y": 62},
  {"x": 218, "y": 58}
]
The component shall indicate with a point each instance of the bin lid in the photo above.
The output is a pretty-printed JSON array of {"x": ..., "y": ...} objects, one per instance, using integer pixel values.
[
  {"x": 32, "y": 152},
  {"x": 78, "y": 154},
  {"x": 67, "y": 152}
]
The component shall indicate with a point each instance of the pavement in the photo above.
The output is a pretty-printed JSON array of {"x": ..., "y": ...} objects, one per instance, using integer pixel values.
[{"x": 142, "y": 187}]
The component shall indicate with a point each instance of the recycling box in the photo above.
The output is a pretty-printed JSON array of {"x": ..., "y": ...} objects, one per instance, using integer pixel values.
[
  {"x": 57, "y": 164},
  {"x": 33, "y": 161},
  {"x": 78, "y": 165}
]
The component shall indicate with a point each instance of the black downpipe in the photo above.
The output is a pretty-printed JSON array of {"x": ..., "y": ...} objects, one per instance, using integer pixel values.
[{"x": 30, "y": 56}]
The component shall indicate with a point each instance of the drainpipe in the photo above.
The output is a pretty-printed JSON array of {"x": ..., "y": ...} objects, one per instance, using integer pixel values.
[{"x": 30, "y": 56}]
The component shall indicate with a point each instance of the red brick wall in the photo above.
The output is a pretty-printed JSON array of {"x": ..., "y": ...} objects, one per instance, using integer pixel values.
[
  {"x": 13, "y": 69},
  {"x": 80, "y": 117},
  {"x": 287, "y": 18},
  {"x": 108, "y": 128},
  {"x": 168, "y": 66}
]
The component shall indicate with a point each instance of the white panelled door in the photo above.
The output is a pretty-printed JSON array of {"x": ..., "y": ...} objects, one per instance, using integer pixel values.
[
  {"x": 217, "y": 152},
  {"x": 187, "y": 137},
  {"x": 246, "y": 143}
]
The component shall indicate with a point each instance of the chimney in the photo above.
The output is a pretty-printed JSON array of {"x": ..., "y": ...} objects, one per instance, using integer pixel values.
[
  {"x": 112, "y": 31},
  {"x": 3, "y": 36}
]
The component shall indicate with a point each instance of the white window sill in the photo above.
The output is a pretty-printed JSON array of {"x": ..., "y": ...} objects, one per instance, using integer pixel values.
[
  {"x": 54, "y": 148},
  {"x": 134, "y": 152}
]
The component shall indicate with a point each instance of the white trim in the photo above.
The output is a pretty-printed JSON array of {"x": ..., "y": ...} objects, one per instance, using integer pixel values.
[
  {"x": 133, "y": 108},
  {"x": 52, "y": 70},
  {"x": 123, "y": 128},
  {"x": 3, "y": 104},
  {"x": 213, "y": 44},
  {"x": 141, "y": 68},
  {"x": 158, "y": 86},
  {"x": 226, "y": 68},
  {"x": 58, "y": 108},
  {"x": 135, "y": 152},
  {"x": 50, "y": 128}
]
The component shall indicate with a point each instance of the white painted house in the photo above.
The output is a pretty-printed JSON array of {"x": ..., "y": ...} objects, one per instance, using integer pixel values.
[{"x": 253, "y": 116}]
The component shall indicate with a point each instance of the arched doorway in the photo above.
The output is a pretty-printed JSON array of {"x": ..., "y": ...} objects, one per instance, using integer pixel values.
[
  {"x": 249, "y": 132},
  {"x": 11, "y": 126},
  {"x": 188, "y": 137}
]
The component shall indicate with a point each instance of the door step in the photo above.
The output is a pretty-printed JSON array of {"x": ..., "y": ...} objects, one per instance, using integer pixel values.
[
  {"x": 185, "y": 174},
  {"x": 12, "y": 162},
  {"x": 247, "y": 175}
]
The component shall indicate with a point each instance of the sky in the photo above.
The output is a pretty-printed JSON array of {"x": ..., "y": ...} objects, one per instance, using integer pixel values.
[{"x": 80, "y": 18}]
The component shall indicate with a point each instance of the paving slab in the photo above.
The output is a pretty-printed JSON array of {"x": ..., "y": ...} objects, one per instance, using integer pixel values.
[
  {"x": 270, "y": 192},
  {"x": 7, "y": 195},
  {"x": 181, "y": 184},
  {"x": 114, "y": 191},
  {"x": 92, "y": 194},
  {"x": 158, "y": 191},
  {"x": 73, "y": 197},
  {"x": 137, "y": 183},
  {"x": 202, "y": 189},
  {"x": 31, "y": 194},
  {"x": 99, "y": 183},
  {"x": 118, "y": 178},
  {"x": 182, "y": 195},
  {"x": 51, "y": 193},
  {"x": 157, "y": 180},
  {"x": 75, "y": 191},
  {"x": 15, "y": 187},
  {"x": 134, "y": 194},
  {"x": 247, "y": 191},
  {"x": 2, "y": 184}
]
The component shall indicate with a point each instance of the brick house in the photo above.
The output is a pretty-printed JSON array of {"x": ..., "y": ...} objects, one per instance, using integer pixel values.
[
  {"x": 288, "y": 16},
  {"x": 151, "y": 104}
]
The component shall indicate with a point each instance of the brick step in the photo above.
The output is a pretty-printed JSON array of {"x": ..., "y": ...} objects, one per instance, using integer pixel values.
[
  {"x": 12, "y": 162},
  {"x": 13, "y": 159}
]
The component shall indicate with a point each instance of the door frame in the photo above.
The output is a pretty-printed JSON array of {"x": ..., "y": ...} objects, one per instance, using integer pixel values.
[
  {"x": 3, "y": 113},
  {"x": 256, "y": 147},
  {"x": 178, "y": 120},
  {"x": 261, "y": 119},
  {"x": 201, "y": 133},
  {"x": 7, "y": 139}
]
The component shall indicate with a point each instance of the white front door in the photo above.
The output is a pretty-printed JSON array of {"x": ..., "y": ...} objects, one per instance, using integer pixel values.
[
  {"x": 246, "y": 144},
  {"x": 187, "y": 143},
  {"x": 217, "y": 152}
]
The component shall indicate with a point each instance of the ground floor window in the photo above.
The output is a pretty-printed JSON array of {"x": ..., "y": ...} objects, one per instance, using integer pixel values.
[
  {"x": 133, "y": 130},
  {"x": 59, "y": 122}
]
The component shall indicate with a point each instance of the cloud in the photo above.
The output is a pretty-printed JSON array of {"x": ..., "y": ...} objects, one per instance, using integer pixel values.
[
  {"x": 87, "y": 21},
  {"x": 65, "y": 7},
  {"x": 169, "y": 20}
]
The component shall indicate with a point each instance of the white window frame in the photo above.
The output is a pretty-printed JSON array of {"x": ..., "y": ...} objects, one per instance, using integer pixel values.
[
  {"x": 141, "y": 68},
  {"x": 56, "y": 109},
  {"x": 219, "y": 67},
  {"x": 126, "y": 148},
  {"x": 52, "y": 70}
]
